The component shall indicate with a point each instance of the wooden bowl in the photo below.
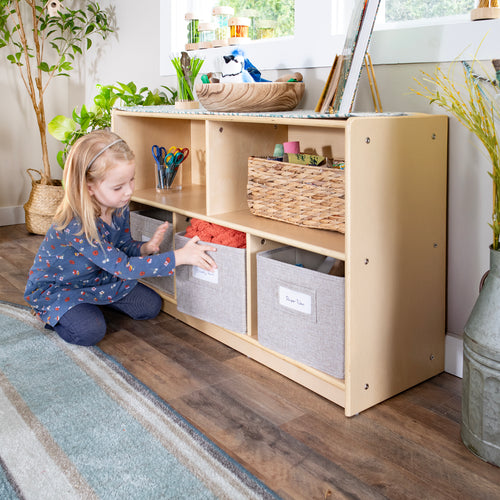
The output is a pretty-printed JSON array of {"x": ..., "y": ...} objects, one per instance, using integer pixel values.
[{"x": 250, "y": 97}]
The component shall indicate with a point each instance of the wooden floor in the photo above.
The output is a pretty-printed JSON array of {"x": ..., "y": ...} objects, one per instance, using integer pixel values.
[{"x": 299, "y": 444}]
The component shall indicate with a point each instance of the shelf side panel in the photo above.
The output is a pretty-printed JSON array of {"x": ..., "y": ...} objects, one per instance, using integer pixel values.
[{"x": 396, "y": 255}]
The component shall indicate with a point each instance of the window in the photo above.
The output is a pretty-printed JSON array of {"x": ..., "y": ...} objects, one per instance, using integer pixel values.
[
  {"x": 279, "y": 15},
  {"x": 282, "y": 52},
  {"x": 407, "y": 31},
  {"x": 396, "y": 11}
]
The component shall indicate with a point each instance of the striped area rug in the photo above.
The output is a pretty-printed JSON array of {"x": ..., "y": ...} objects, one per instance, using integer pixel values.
[{"x": 74, "y": 424}]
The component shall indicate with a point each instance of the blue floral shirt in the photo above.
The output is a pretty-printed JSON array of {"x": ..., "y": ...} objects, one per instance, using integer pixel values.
[{"x": 68, "y": 270}]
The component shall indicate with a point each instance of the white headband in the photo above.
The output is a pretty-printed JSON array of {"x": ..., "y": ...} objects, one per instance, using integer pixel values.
[{"x": 101, "y": 152}]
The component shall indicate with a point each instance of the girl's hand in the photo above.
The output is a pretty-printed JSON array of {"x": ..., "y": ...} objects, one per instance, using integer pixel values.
[
  {"x": 153, "y": 245},
  {"x": 196, "y": 255}
]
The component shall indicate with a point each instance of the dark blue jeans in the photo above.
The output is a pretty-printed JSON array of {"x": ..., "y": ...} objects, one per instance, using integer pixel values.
[{"x": 84, "y": 324}]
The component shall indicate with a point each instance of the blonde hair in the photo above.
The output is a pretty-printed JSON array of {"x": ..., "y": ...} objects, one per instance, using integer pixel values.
[{"x": 89, "y": 159}]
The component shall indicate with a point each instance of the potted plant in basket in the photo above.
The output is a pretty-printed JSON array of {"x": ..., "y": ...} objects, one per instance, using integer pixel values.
[
  {"x": 475, "y": 105},
  {"x": 43, "y": 38}
]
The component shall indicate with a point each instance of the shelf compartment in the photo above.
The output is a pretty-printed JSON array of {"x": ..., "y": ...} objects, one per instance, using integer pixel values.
[
  {"x": 190, "y": 200},
  {"x": 301, "y": 309},
  {"x": 143, "y": 225},
  {"x": 228, "y": 149},
  {"x": 328, "y": 243},
  {"x": 217, "y": 297},
  {"x": 167, "y": 133}
]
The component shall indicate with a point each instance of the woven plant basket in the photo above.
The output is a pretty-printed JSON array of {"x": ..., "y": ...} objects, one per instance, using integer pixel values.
[
  {"x": 42, "y": 204},
  {"x": 309, "y": 196}
]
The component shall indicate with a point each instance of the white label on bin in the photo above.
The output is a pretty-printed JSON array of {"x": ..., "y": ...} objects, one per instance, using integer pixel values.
[
  {"x": 145, "y": 238},
  {"x": 295, "y": 300},
  {"x": 210, "y": 276}
]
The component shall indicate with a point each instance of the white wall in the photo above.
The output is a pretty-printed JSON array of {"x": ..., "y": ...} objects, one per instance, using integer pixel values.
[{"x": 134, "y": 54}]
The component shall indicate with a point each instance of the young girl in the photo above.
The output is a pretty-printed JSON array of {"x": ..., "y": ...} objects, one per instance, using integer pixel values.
[{"x": 88, "y": 258}]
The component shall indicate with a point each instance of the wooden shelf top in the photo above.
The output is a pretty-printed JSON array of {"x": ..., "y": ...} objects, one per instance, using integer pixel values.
[{"x": 298, "y": 117}]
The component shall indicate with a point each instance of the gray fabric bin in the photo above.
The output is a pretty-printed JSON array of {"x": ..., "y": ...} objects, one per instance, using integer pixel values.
[
  {"x": 143, "y": 224},
  {"x": 219, "y": 297},
  {"x": 300, "y": 310}
]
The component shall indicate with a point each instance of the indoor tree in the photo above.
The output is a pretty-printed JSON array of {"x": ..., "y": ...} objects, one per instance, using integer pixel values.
[{"x": 43, "y": 39}]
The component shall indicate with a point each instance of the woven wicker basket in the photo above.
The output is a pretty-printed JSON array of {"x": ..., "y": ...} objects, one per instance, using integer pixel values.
[
  {"x": 303, "y": 195},
  {"x": 42, "y": 204}
]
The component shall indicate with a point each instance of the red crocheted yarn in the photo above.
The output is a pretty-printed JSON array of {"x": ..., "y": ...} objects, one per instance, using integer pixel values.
[{"x": 213, "y": 233}]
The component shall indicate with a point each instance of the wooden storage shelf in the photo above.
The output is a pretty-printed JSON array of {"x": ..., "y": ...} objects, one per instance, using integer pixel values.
[{"x": 394, "y": 245}]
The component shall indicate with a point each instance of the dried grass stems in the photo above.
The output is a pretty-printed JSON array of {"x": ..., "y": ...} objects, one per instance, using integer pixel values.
[{"x": 474, "y": 105}]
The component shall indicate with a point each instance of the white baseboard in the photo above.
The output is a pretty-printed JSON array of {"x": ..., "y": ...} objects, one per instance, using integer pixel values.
[
  {"x": 453, "y": 354},
  {"x": 11, "y": 215}
]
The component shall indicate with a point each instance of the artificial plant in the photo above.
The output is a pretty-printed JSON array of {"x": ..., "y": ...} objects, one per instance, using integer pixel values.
[
  {"x": 474, "y": 104},
  {"x": 98, "y": 116},
  {"x": 43, "y": 39},
  {"x": 187, "y": 69}
]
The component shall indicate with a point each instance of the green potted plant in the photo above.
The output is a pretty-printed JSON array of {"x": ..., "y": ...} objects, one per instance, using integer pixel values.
[
  {"x": 43, "y": 39},
  {"x": 187, "y": 69},
  {"x": 475, "y": 105},
  {"x": 98, "y": 116}
]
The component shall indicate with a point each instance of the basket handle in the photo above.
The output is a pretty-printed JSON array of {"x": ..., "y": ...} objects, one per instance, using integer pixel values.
[{"x": 33, "y": 180}]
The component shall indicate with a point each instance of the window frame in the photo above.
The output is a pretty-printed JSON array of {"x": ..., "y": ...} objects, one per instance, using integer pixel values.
[{"x": 441, "y": 40}]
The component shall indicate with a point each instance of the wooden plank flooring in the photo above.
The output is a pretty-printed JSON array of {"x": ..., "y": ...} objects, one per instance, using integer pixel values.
[{"x": 299, "y": 444}]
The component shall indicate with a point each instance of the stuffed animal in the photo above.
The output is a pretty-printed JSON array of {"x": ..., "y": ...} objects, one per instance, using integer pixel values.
[
  {"x": 233, "y": 69},
  {"x": 237, "y": 68}
]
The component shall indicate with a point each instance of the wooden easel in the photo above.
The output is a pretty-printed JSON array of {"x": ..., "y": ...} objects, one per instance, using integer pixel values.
[{"x": 373, "y": 84}]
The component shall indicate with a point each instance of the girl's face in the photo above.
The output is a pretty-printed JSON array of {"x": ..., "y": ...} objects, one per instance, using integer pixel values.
[{"x": 115, "y": 190}]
